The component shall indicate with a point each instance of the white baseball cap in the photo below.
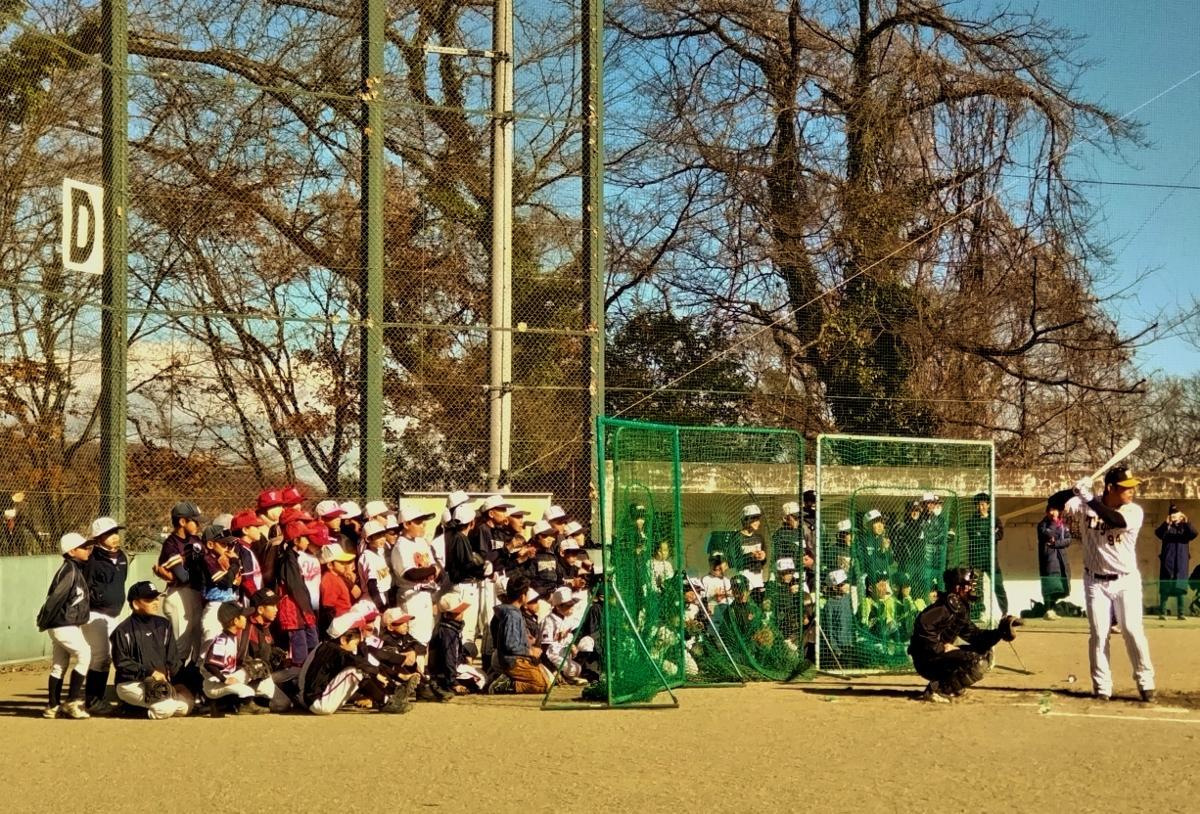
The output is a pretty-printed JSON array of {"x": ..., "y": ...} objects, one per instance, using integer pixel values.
[
  {"x": 532, "y": 596},
  {"x": 751, "y": 510},
  {"x": 223, "y": 520},
  {"x": 542, "y": 527},
  {"x": 103, "y": 526},
  {"x": 791, "y": 507},
  {"x": 447, "y": 516},
  {"x": 452, "y": 603},
  {"x": 495, "y": 502},
  {"x": 374, "y": 508},
  {"x": 929, "y": 497},
  {"x": 517, "y": 511},
  {"x": 872, "y": 515},
  {"x": 10, "y": 513},
  {"x": 329, "y": 509},
  {"x": 785, "y": 564},
  {"x": 343, "y": 624},
  {"x": 844, "y": 525},
  {"x": 71, "y": 541},
  {"x": 373, "y": 528},
  {"x": 568, "y": 544},
  {"x": 836, "y": 577},
  {"x": 574, "y": 528},
  {"x": 350, "y": 509},
  {"x": 456, "y": 499},
  {"x": 464, "y": 514},
  {"x": 411, "y": 513},
  {"x": 554, "y": 513},
  {"x": 393, "y": 615},
  {"x": 562, "y": 596},
  {"x": 333, "y": 552},
  {"x": 391, "y": 523}
]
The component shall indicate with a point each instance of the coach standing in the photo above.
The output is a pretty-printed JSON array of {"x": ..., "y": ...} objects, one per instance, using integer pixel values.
[{"x": 1108, "y": 526}]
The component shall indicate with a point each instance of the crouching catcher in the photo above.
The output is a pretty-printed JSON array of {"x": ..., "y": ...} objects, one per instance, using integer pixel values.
[{"x": 951, "y": 668}]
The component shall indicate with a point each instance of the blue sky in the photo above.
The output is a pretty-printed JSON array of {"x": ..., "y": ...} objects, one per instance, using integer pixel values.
[{"x": 1146, "y": 46}]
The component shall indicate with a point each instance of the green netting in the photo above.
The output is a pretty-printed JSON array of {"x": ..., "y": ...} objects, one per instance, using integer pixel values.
[
  {"x": 723, "y": 471},
  {"x": 892, "y": 515},
  {"x": 672, "y": 497}
]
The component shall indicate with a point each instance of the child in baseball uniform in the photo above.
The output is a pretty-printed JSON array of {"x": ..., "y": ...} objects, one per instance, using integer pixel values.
[
  {"x": 718, "y": 591},
  {"x": 299, "y": 586},
  {"x": 106, "y": 571},
  {"x": 374, "y": 574},
  {"x": 417, "y": 575},
  {"x": 557, "y": 633},
  {"x": 336, "y": 671},
  {"x": 338, "y": 591},
  {"x": 222, "y": 575},
  {"x": 63, "y": 616},
  {"x": 226, "y": 682}
]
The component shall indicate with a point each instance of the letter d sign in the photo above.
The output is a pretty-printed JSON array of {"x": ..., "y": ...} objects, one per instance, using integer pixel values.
[{"x": 83, "y": 227}]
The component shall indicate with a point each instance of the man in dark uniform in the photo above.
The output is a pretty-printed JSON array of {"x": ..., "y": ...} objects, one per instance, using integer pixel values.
[
  {"x": 979, "y": 545},
  {"x": 949, "y": 667}
]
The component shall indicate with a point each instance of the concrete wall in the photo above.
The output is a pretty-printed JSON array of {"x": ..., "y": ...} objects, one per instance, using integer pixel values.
[{"x": 23, "y": 585}]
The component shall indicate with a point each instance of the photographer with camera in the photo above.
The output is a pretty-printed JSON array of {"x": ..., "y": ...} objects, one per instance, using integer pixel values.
[
  {"x": 1175, "y": 533},
  {"x": 952, "y": 668}
]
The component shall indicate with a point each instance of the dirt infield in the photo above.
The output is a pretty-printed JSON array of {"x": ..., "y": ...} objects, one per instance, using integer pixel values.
[{"x": 1016, "y": 743}]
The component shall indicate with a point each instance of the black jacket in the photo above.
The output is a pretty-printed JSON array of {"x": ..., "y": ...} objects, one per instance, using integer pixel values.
[
  {"x": 445, "y": 652},
  {"x": 945, "y": 622},
  {"x": 106, "y": 572},
  {"x": 463, "y": 561},
  {"x": 67, "y": 601},
  {"x": 546, "y": 572},
  {"x": 328, "y": 660},
  {"x": 141, "y": 645},
  {"x": 1053, "y": 541}
]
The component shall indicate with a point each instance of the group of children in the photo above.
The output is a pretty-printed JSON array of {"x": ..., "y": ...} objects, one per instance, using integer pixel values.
[{"x": 278, "y": 607}]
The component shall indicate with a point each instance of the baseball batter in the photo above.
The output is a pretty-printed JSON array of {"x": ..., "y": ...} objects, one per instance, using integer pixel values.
[{"x": 1108, "y": 526}]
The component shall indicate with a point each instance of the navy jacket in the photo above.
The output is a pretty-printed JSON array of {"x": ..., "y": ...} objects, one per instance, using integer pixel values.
[
  {"x": 143, "y": 644},
  {"x": 445, "y": 652},
  {"x": 1053, "y": 541},
  {"x": 106, "y": 572},
  {"x": 509, "y": 635},
  {"x": 66, "y": 602},
  {"x": 1173, "y": 559}
]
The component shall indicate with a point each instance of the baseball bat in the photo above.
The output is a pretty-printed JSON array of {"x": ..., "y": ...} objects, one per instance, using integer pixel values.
[{"x": 1118, "y": 456}]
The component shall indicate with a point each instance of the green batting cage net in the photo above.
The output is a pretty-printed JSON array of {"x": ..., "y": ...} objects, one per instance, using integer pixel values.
[
  {"x": 892, "y": 515},
  {"x": 693, "y": 534}
]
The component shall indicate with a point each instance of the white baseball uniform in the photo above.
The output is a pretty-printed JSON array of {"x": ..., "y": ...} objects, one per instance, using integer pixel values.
[{"x": 1111, "y": 582}]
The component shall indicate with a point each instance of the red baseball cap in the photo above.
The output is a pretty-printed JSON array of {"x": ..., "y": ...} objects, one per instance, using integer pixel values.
[
  {"x": 291, "y": 514},
  {"x": 292, "y": 495},
  {"x": 243, "y": 519},
  {"x": 269, "y": 499},
  {"x": 318, "y": 534},
  {"x": 295, "y": 530}
]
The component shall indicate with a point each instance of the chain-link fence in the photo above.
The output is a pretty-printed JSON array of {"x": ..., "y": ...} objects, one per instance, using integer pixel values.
[{"x": 252, "y": 237}]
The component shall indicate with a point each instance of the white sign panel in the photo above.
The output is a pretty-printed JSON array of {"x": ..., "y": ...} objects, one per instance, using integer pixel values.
[{"x": 83, "y": 227}]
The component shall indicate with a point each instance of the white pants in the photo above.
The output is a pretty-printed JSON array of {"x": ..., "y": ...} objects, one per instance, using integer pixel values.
[
  {"x": 182, "y": 607},
  {"x": 97, "y": 630},
  {"x": 420, "y": 605},
  {"x": 472, "y": 593},
  {"x": 69, "y": 642},
  {"x": 339, "y": 691},
  {"x": 1124, "y": 597},
  {"x": 216, "y": 687},
  {"x": 210, "y": 625},
  {"x": 174, "y": 707}
]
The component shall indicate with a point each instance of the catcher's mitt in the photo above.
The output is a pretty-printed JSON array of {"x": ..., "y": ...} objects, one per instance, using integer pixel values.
[
  {"x": 256, "y": 669},
  {"x": 155, "y": 690},
  {"x": 1007, "y": 625}
]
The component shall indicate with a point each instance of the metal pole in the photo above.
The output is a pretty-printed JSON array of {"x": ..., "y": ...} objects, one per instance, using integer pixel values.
[
  {"x": 593, "y": 204},
  {"x": 114, "y": 148},
  {"x": 373, "y": 22},
  {"x": 500, "y": 436}
]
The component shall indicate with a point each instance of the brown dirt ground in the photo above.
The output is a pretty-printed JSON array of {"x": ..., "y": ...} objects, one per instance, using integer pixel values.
[{"x": 1015, "y": 743}]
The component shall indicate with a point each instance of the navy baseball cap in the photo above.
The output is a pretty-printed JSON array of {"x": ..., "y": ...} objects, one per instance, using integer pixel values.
[
  {"x": 1120, "y": 476},
  {"x": 228, "y": 612},
  {"x": 143, "y": 590},
  {"x": 185, "y": 509},
  {"x": 266, "y": 596}
]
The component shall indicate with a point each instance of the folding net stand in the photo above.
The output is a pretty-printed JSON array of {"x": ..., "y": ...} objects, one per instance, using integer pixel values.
[{"x": 892, "y": 515}]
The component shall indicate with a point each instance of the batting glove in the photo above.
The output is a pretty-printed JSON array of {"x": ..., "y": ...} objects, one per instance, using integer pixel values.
[{"x": 1083, "y": 488}]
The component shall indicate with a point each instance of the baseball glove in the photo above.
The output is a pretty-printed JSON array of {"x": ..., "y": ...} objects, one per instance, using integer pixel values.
[
  {"x": 1007, "y": 625},
  {"x": 155, "y": 690},
  {"x": 256, "y": 669}
]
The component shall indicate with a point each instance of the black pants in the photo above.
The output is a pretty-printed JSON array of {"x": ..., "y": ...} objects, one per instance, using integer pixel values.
[
  {"x": 1001, "y": 594},
  {"x": 954, "y": 670}
]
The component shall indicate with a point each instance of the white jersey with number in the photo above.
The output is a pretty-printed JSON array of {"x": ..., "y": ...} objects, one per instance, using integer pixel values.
[{"x": 1107, "y": 550}]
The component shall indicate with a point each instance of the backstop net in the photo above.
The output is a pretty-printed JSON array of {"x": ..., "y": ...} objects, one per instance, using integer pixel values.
[
  {"x": 691, "y": 592},
  {"x": 892, "y": 515}
]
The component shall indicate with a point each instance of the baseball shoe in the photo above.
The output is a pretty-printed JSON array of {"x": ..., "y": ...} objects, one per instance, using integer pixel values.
[
  {"x": 1101, "y": 696},
  {"x": 501, "y": 685},
  {"x": 102, "y": 709},
  {"x": 1180, "y": 617},
  {"x": 51, "y": 712},
  {"x": 1147, "y": 696},
  {"x": 933, "y": 694},
  {"x": 1162, "y": 617},
  {"x": 1050, "y": 615},
  {"x": 251, "y": 707},
  {"x": 74, "y": 709},
  {"x": 1115, "y": 629}
]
